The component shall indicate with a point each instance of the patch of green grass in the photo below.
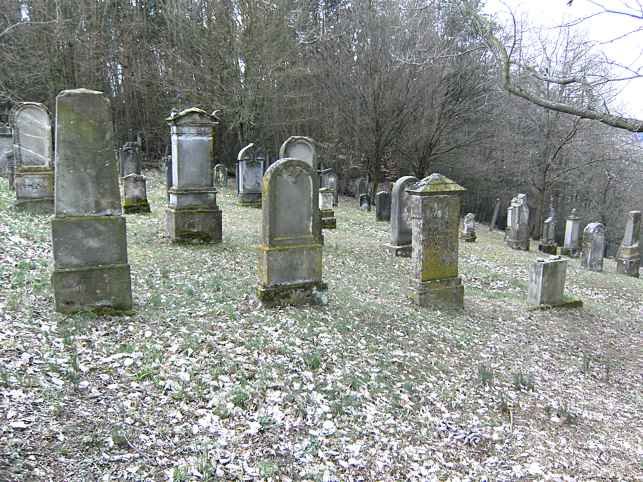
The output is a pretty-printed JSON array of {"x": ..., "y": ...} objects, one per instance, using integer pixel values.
[
  {"x": 312, "y": 361},
  {"x": 240, "y": 397},
  {"x": 485, "y": 374},
  {"x": 523, "y": 381}
]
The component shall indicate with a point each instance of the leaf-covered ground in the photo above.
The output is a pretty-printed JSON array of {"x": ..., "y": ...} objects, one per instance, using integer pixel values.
[{"x": 202, "y": 384}]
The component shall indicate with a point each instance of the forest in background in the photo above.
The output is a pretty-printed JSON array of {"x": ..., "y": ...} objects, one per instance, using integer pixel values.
[{"x": 385, "y": 87}]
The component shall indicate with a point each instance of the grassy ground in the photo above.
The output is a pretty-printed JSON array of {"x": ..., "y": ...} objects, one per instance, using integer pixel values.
[{"x": 201, "y": 384}]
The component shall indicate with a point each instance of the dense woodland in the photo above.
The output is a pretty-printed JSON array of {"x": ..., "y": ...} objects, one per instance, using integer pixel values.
[{"x": 385, "y": 87}]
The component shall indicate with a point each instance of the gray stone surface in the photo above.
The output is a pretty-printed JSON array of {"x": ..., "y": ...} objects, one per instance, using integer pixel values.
[
  {"x": 135, "y": 194},
  {"x": 330, "y": 180},
  {"x": 593, "y": 247},
  {"x": 302, "y": 148},
  {"x": 571, "y": 243},
  {"x": 517, "y": 236},
  {"x": 290, "y": 261},
  {"x": 435, "y": 224},
  {"x": 85, "y": 155},
  {"x": 469, "y": 228},
  {"x": 383, "y": 206},
  {"x": 326, "y": 197},
  {"x": 220, "y": 175},
  {"x": 192, "y": 213},
  {"x": 494, "y": 218},
  {"x": 34, "y": 188},
  {"x": 32, "y": 135},
  {"x": 88, "y": 233},
  {"x": 130, "y": 159},
  {"x": 548, "y": 241},
  {"x": 400, "y": 243},
  {"x": 628, "y": 257},
  {"x": 364, "y": 202},
  {"x": 6, "y": 149},
  {"x": 250, "y": 166},
  {"x": 547, "y": 282}
]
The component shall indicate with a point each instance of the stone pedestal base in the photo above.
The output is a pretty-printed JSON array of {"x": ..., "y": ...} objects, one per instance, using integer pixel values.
[
  {"x": 250, "y": 200},
  {"x": 291, "y": 294},
  {"x": 518, "y": 244},
  {"x": 327, "y": 218},
  {"x": 628, "y": 261},
  {"x": 548, "y": 248},
  {"x": 403, "y": 250},
  {"x": 572, "y": 253},
  {"x": 187, "y": 225},
  {"x": 92, "y": 288},
  {"x": 447, "y": 292},
  {"x": 34, "y": 188}
]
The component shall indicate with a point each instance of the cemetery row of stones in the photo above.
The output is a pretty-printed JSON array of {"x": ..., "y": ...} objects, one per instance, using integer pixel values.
[{"x": 91, "y": 269}]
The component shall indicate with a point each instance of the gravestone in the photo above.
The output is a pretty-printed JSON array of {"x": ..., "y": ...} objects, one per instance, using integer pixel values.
[
  {"x": 518, "y": 223},
  {"x": 383, "y": 206},
  {"x": 593, "y": 247},
  {"x": 547, "y": 282},
  {"x": 250, "y": 167},
  {"x": 192, "y": 213},
  {"x": 362, "y": 186},
  {"x": 571, "y": 243},
  {"x": 168, "y": 176},
  {"x": 494, "y": 218},
  {"x": 32, "y": 154},
  {"x": 135, "y": 194},
  {"x": 220, "y": 175},
  {"x": 435, "y": 219},
  {"x": 302, "y": 148},
  {"x": 130, "y": 159},
  {"x": 290, "y": 258},
  {"x": 400, "y": 244},
  {"x": 6, "y": 150},
  {"x": 88, "y": 230},
  {"x": 365, "y": 202},
  {"x": 329, "y": 180},
  {"x": 628, "y": 257},
  {"x": 548, "y": 243},
  {"x": 469, "y": 228},
  {"x": 328, "y": 220}
]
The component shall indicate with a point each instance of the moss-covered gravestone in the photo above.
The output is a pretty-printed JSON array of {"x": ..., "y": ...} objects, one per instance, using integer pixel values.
[
  {"x": 400, "y": 244},
  {"x": 192, "y": 213},
  {"x": 250, "y": 166},
  {"x": 88, "y": 229},
  {"x": 435, "y": 220},
  {"x": 33, "y": 175},
  {"x": 290, "y": 255},
  {"x": 628, "y": 257}
]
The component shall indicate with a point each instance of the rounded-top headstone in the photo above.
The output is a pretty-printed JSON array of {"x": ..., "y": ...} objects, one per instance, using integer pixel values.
[
  {"x": 299, "y": 147},
  {"x": 32, "y": 135}
]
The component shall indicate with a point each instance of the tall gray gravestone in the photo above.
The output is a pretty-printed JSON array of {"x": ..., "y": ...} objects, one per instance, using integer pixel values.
[
  {"x": 435, "y": 224},
  {"x": 329, "y": 181},
  {"x": 628, "y": 257},
  {"x": 192, "y": 213},
  {"x": 593, "y": 247},
  {"x": 518, "y": 223},
  {"x": 290, "y": 255},
  {"x": 494, "y": 218},
  {"x": 250, "y": 167},
  {"x": 88, "y": 230},
  {"x": 33, "y": 154},
  {"x": 383, "y": 206},
  {"x": 400, "y": 244},
  {"x": 571, "y": 243},
  {"x": 134, "y": 183},
  {"x": 302, "y": 148}
]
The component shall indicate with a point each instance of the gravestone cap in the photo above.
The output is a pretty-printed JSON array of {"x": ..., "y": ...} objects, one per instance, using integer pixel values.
[
  {"x": 435, "y": 184},
  {"x": 192, "y": 116}
]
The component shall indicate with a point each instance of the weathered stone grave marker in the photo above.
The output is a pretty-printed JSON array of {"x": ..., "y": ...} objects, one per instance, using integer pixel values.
[
  {"x": 290, "y": 258},
  {"x": 628, "y": 257},
  {"x": 364, "y": 202},
  {"x": 435, "y": 225},
  {"x": 383, "y": 206},
  {"x": 302, "y": 148},
  {"x": 494, "y": 218},
  {"x": 250, "y": 167},
  {"x": 192, "y": 213},
  {"x": 220, "y": 175},
  {"x": 518, "y": 223},
  {"x": 88, "y": 229},
  {"x": 6, "y": 151},
  {"x": 328, "y": 220},
  {"x": 400, "y": 244},
  {"x": 469, "y": 228},
  {"x": 547, "y": 283},
  {"x": 548, "y": 242},
  {"x": 593, "y": 247},
  {"x": 329, "y": 181},
  {"x": 571, "y": 243},
  {"x": 134, "y": 183},
  {"x": 32, "y": 155}
]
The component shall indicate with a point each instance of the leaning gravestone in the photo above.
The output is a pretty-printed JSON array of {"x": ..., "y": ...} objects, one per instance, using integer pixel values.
[
  {"x": 518, "y": 223},
  {"x": 571, "y": 243},
  {"x": 469, "y": 228},
  {"x": 547, "y": 283},
  {"x": 593, "y": 247},
  {"x": 250, "y": 167},
  {"x": 88, "y": 229},
  {"x": 436, "y": 222},
  {"x": 192, "y": 213},
  {"x": 33, "y": 174},
  {"x": 383, "y": 206},
  {"x": 628, "y": 257},
  {"x": 302, "y": 148},
  {"x": 220, "y": 175},
  {"x": 400, "y": 244},
  {"x": 290, "y": 260}
]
